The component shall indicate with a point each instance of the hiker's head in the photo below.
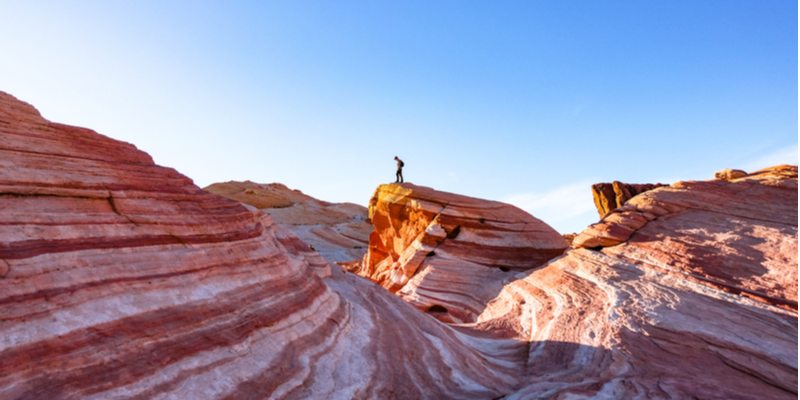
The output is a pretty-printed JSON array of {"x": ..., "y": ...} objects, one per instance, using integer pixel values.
[{"x": 395, "y": 157}]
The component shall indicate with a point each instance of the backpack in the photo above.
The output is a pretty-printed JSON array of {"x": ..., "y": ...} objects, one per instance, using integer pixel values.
[{"x": 402, "y": 164}]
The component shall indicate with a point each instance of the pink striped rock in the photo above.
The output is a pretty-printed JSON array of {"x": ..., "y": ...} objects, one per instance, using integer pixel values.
[
  {"x": 122, "y": 280},
  {"x": 738, "y": 234}
]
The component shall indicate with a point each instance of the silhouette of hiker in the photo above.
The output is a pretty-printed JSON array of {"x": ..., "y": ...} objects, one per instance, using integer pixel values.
[{"x": 400, "y": 165}]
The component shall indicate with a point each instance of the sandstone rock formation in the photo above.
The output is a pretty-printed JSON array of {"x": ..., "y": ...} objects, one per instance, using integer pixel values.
[
  {"x": 447, "y": 253},
  {"x": 728, "y": 174},
  {"x": 608, "y": 196},
  {"x": 337, "y": 231},
  {"x": 601, "y": 327},
  {"x": 119, "y": 279},
  {"x": 738, "y": 235}
]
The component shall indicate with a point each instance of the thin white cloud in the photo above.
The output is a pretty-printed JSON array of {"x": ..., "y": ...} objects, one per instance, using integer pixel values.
[
  {"x": 559, "y": 204},
  {"x": 785, "y": 155}
]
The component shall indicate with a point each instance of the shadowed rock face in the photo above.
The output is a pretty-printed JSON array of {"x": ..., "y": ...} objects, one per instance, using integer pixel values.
[
  {"x": 337, "y": 231},
  {"x": 119, "y": 279},
  {"x": 608, "y": 196},
  {"x": 447, "y": 253}
]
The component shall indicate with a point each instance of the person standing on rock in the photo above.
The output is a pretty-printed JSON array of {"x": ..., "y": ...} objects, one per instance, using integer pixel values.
[{"x": 400, "y": 165}]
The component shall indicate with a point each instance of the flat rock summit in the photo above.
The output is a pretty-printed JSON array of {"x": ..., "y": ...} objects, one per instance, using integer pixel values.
[{"x": 121, "y": 279}]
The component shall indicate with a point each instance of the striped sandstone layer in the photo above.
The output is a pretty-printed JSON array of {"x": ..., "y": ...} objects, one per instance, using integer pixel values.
[
  {"x": 337, "y": 231},
  {"x": 167, "y": 291},
  {"x": 601, "y": 327},
  {"x": 698, "y": 301},
  {"x": 737, "y": 234},
  {"x": 662, "y": 316},
  {"x": 449, "y": 254},
  {"x": 120, "y": 279}
]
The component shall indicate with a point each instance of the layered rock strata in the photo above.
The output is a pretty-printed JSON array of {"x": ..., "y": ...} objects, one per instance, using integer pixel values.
[
  {"x": 337, "y": 231},
  {"x": 119, "y": 279},
  {"x": 698, "y": 301},
  {"x": 447, "y": 253},
  {"x": 123, "y": 280},
  {"x": 736, "y": 234},
  {"x": 602, "y": 327},
  {"x": 608, "y": 196}
]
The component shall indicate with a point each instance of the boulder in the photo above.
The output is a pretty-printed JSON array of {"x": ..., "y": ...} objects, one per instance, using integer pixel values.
[
  {"x": 729, "y": 174},
  {"x": 608, "y": 196}
]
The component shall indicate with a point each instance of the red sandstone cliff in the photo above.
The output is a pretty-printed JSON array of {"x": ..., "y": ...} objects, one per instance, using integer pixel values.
[
  {"x": 447, "y": 253},
  {"x": 120, "y": 279},
  {"x": 339, "y": 232},
  {"x": 738, "y": 235},
  {"x": 687, "y": 291}
]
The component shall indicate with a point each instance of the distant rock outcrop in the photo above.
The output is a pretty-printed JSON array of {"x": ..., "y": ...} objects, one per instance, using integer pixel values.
[
  {"x": 608, "y": 196},
  {"x": 337, "y": 231},
  {"x": 729, "y": 174},
  {"x": 447, "y": 253}
]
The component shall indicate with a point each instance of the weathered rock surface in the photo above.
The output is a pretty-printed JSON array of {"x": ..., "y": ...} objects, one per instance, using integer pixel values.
[
  {"x": 739, "y": 235},
  {"x": 119, "y": 279},
  {"x": 601, "y": 327},
  {"x": 123, "y": 280},
  {"x": 337, "y": 231},
  {"x": 686, "y": 307},
  {"x": 693, "y": 296},
  {"x": 728, "y": 174},
  {"x": 608, "y": 196},
  {"x": 447, "y": 253}
]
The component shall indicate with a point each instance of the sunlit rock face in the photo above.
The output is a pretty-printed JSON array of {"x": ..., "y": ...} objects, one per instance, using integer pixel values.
[
  {"x": 449, "y": 254},
  {"x": 738, "y": 235},
  {"x": 698, "y": 301},
  {"x": 120, "y": 279},
  {"x": 608, "y": 196},
  {"x": 660, "y": 314},
  {"x": 601, "y": 327},
  {"x": 337, "y": 231}
]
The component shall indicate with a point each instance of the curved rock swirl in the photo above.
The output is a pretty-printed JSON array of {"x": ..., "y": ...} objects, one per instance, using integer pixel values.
[
  {"x": 600, "y": 327},
  {"x": 120, "y": 279},
  {"x": 738, "y": 235}
]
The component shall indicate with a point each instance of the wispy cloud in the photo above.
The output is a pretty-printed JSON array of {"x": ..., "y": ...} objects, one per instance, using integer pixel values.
[
  {"x": 785, "y": 155},
  {"x": 559, "y": 204}
]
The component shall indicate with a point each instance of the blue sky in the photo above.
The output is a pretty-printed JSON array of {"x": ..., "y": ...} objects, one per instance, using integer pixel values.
[{"x": 527, "y": 102}]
